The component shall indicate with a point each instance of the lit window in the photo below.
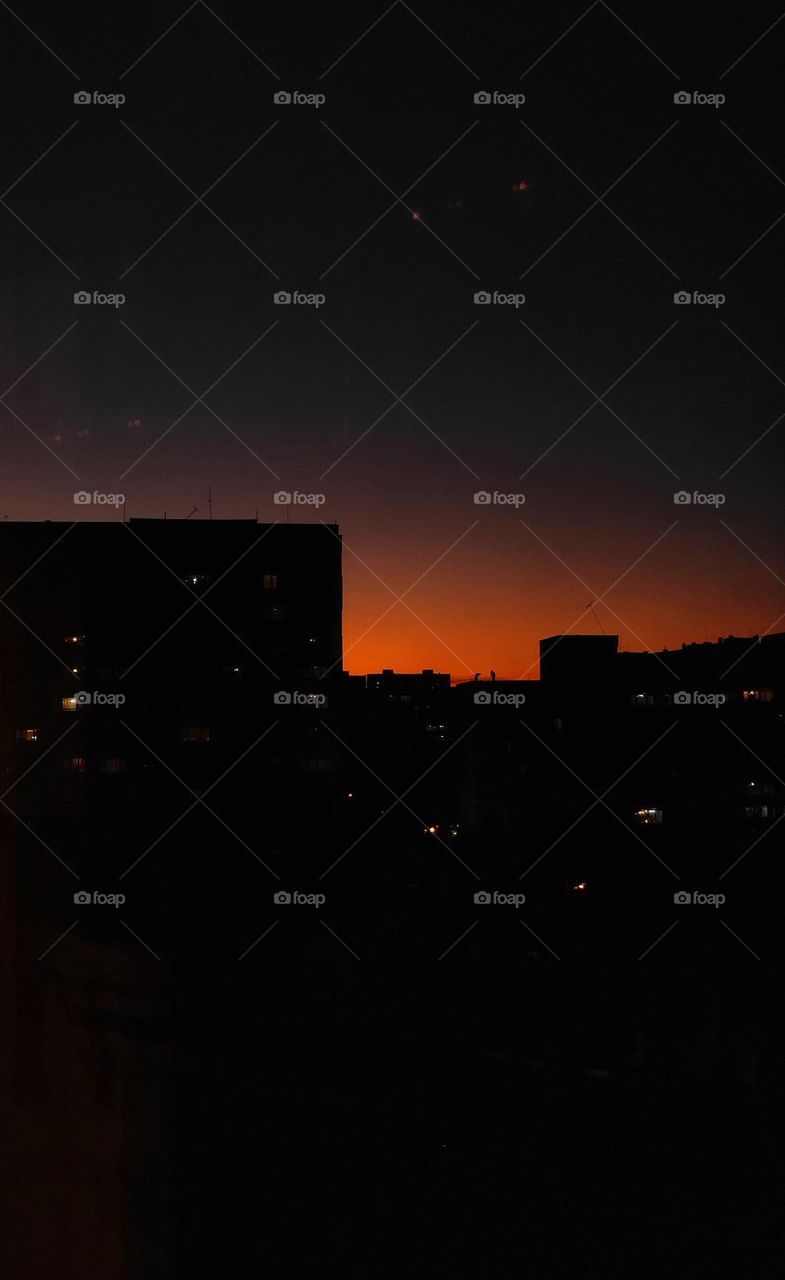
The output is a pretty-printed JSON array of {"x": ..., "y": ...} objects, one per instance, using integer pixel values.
[
  {"x": 757, "y": 695},
  {"x": 648, "y": 817},
  {"x": 77, "y": 640},
  {"x": 643, "y": 700},
  {"x": 70, "y": 703},
  {"x": 195, "y": 734},
  {"x": 75, "y": 764},
  {"x": 232, "y": 673},
  {"x": 27, "y": 735},
  {"x": 113, "y": 765},
  {"x": 270, "y": 581}
]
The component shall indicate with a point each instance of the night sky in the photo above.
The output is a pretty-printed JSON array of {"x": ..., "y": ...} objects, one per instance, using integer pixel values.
[{"x": 397, "y": 199}]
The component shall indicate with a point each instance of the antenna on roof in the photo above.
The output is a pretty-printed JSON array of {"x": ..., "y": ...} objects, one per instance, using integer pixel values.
[
  {"x": 191, "y": 512},
  {"x": 210, "y": 501},
  {"x": 590, "y": 605}
]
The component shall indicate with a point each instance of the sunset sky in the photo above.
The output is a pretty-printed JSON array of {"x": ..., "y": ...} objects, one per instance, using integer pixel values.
[{"x": 506, "y": 397}]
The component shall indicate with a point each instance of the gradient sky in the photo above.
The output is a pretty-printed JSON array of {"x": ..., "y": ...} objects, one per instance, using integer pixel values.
[{"x": 698, "y": 386}]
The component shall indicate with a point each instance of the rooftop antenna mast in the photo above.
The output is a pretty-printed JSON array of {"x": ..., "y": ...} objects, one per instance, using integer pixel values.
[
  {"x": 210, "y": 501},
  {"x": 590, "y": 605}
]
